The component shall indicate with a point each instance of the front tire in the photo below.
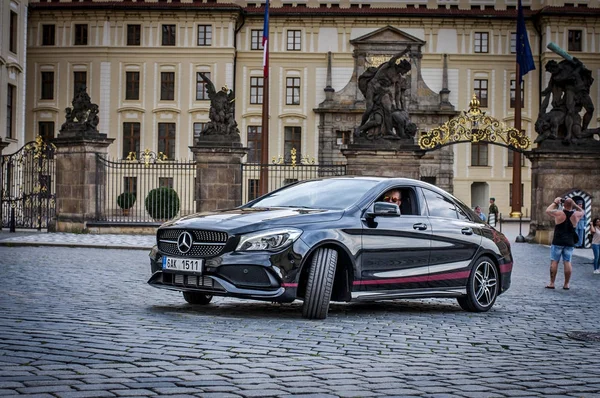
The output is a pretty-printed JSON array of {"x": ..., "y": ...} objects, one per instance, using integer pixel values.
[
  {"x": 320, "y": 284},
  {"x": 197, "y": 298},
  {"x": 482, "y": 287}
]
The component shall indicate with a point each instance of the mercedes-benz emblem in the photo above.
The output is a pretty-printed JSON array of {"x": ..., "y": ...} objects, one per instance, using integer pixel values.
[{"x": 184, "y": 242}]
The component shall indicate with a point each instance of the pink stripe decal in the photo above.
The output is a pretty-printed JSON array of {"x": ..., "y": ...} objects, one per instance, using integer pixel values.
[
  {"x": 504, "y": 268},
  {"x": 452, "y": 275},
  {"x": 289, "y": 285},
  {"x": 412, "y": 279}
]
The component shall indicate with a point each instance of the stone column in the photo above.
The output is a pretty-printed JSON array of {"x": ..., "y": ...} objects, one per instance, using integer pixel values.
[
  {"x": 383, "y": 160},
  {"x": 77, "y": 181},
  {"x": 556, "y": 171},
  {"x": 218, "y": 175}
]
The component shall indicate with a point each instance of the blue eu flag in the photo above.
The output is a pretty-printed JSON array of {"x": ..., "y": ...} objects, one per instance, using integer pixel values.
[{"x": 524, "y": 56}]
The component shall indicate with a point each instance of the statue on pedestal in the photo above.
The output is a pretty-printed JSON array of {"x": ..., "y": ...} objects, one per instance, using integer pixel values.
[
  {"x": 82, "y": 119},
  {"x": 222, "y": 125},
  {"x": 383, "y": 87},
  {"x": 569, "y": 89}
]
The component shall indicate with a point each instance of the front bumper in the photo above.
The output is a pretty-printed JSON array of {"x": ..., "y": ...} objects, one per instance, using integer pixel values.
[{"x": 251, "y": 275}]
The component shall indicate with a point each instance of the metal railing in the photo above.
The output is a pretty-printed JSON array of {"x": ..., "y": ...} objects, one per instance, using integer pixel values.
[{"x": 164, "y": 189}]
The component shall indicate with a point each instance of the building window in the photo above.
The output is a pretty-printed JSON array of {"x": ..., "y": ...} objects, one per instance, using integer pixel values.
[
  {"x": 12, "y": 41},
  {"x": 510, "y": 194},
  {"x": 479, "y": 154},
  {"x": 513, "y": 43},
  {"x": 131, "y": 139},
  {"x": 47, "y": 86},
  {"x": 165, "y": 182},
  {"x": 254, "y": 144},
  {"x": 48, "y": 35},
  {"x": 168, "y": 35},
  {"x": 79, "y": 82},
  {"x": 256, "y": 90},
  {"x": 134, "y": 35},
  {"x": 167, "y": 86},
  {"x": 198, "y": 129},
  {"x": 292, "y": 90},
  {"x": 256, "y": 39},
  {"x": 130, "y": 184},
  {"x": 253, "y": 186},
  {"x": 293, "y": 136},
  {"x": 513, "y": 84},
  {"x": 481, "y": 91},
  {"x": 166, "y": 139},
  {"x": 11, "y": 110},
  {"x": 575, "y": 40},
  {"x": 81, "y": 34},
  {"x": 204, "y": 35},
  {"x": 201, "y": 88},
  {"x": 46, "y": 130},
  {"x": 510, "y": 158},
  {"x": 132, "y": 85},
  {"x": 343, "y": 137},
  {"x": 481, "y": 42},
  {"x": 294, "y": 42},
  {"x": 429, "y": 180}
]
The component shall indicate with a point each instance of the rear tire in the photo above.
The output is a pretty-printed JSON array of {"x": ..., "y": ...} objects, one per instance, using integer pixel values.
[
  {"x": 320, "y": 284},
  {"x": 197, "y": 298},
  {"x": 482, "y": 287}
]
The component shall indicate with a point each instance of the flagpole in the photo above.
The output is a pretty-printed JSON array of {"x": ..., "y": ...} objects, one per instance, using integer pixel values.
[
  {"x": 264, "y": 143},
  {"x": 516, "y": 176}
]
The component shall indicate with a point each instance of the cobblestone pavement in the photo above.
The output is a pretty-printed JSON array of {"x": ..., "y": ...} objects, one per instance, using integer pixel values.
[{"x": 82, "y": 322}]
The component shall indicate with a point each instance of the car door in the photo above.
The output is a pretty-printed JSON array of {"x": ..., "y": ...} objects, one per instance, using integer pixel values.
[
  {"x": 395, "y": 249},
  {"x": 455, "y": 240}
]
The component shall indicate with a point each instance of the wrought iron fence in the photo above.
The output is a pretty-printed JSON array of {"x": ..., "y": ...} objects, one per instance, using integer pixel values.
[
  {"x": 280, "y": 173},
  {"x": 144, "y": 189},
  {"x": 27, "y": 187}
]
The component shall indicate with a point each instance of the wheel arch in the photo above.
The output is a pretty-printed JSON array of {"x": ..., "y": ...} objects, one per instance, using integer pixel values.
[{"x": 344, "y": 273}]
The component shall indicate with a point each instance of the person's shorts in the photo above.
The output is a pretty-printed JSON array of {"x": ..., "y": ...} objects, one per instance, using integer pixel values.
[{"x": 556, "y": 252}]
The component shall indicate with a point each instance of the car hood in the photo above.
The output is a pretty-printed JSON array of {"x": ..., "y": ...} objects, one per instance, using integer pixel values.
[{"x": 254, "y": 219}]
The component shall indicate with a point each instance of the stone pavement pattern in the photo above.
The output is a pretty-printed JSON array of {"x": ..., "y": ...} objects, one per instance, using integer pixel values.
[{"x": 80, "y": 322}]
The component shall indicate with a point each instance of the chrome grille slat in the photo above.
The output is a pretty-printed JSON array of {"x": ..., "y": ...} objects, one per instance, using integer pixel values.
[{"x": 206, "y": 243}]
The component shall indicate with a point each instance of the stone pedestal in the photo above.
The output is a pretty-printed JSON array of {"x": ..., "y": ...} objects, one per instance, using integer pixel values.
[
  {"x": 218, "y": 175},
  {"x": 558, "y": 171},
  {"x": 77, "y": 179}
]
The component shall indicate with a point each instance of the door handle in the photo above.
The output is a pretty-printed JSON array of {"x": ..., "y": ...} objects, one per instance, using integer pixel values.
[
  {"x": 420, "y": 226},
  {"x": 467, "y": 231}
]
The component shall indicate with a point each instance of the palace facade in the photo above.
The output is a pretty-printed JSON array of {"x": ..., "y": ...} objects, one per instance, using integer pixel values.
[{"x": 141, "y": 60}]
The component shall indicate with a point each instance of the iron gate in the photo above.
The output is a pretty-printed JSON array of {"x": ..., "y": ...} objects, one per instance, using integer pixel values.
[{"x": 27, "y": 192}]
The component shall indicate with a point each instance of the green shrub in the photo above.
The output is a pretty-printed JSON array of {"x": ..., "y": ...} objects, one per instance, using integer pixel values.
[
  {"x": 162, "y": 203},
  {"x": 126, "y": 200}
]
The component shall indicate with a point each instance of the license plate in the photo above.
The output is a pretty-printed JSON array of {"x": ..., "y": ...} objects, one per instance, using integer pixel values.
[{"x": 182, "y": 264}]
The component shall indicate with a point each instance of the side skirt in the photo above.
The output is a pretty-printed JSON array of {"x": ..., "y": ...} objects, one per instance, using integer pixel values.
[{"x": 413, "y": 293}]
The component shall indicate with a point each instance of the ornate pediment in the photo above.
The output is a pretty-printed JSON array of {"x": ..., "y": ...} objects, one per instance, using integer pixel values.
[{"x": 386, "y": 36}]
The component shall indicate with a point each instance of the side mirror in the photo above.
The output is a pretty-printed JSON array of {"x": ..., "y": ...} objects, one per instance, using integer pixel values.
[{"x": 383, "y": 209}]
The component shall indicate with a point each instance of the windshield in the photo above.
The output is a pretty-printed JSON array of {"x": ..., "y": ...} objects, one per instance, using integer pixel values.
[{"x": 334, "y": 194}]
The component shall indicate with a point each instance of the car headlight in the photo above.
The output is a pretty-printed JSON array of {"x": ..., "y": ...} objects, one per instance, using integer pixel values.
[{"x": 271, "y": 240}]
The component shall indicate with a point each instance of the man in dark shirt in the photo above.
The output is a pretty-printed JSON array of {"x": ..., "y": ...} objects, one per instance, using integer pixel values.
[{"x": 563, "y": 241}]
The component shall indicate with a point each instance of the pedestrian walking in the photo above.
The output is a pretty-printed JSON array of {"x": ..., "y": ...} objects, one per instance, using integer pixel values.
[
  {"x": 565, "y": 238},
  {"x": 595, "y": 230},
  {"x": 581, "y": 227}
]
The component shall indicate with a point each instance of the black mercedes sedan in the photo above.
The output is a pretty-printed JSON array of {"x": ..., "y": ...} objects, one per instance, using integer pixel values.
[{"x": 336, "y": 239}]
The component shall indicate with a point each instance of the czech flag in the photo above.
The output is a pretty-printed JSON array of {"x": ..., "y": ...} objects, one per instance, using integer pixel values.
[
  {"x": 524, "y": 56},
  {"x": 265, "y": 42}
]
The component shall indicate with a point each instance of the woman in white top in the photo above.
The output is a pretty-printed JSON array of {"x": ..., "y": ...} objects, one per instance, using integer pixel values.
[{"x": 595, "y": 230}]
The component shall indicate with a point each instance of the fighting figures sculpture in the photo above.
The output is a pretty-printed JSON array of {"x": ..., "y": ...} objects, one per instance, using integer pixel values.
[
  {"x": 383, "y": 88},
  {"x": 569, "y": 89},
  {"x": 222, "y": 125},
  {"x": 82, "y": 119}
]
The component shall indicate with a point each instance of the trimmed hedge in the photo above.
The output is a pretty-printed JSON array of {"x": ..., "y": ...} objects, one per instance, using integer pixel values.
[
  {"x": 162, "y": 203},
  {"x": 126, "y": 200}
]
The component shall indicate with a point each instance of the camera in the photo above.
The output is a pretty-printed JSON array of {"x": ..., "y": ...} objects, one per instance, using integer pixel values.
[{"x": 562, "y": 201}]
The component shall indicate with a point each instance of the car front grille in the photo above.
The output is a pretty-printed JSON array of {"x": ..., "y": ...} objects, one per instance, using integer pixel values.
[
  {"x": 192, "y": 281},
  {"x": 205, "y": 243}
]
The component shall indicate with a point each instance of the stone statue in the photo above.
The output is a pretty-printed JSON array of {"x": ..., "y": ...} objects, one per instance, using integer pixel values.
[
  {"x": 383, "y": 88},
  {"x": 82, "y": 119},
  {"x": 222, "y": 125},
  {"x": 568, "y": 93}
]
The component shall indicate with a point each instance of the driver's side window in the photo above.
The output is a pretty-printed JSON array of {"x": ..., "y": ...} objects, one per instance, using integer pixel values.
[{"x": 403, "y": 197}]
